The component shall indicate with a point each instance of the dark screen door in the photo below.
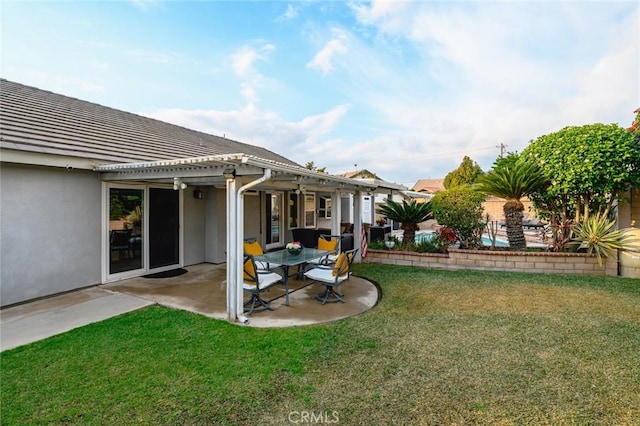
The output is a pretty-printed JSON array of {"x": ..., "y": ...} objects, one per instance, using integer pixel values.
[{"x": 164, "y": 227}]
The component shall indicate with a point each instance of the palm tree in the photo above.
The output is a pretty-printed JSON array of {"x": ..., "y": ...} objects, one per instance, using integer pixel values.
[
  {"x": 408, "y": 214},
  {"x": 512, "y": 180}
]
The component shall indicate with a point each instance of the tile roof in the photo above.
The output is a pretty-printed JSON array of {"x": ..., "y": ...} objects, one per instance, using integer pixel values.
[
  {"x": 429, "y": 185},
  {"x": 40, "y": 121},
  {"x": 360, "y": 174}
]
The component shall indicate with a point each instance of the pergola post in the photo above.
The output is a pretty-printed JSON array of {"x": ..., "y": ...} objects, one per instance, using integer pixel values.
[
  {"x": 357, "y": 224},
  {"x": 232, "y": 250},
  {"x": 336, "y": 213}
]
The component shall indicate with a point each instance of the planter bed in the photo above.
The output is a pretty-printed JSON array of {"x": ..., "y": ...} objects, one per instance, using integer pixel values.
[{"x": 499, "y": 260}]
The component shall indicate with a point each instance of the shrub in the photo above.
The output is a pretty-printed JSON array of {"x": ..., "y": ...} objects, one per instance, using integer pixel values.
[
  {"x": 443, "y": 238},
  {"x": 460, "y": 209},
  {"x": 428, "y": 245}
]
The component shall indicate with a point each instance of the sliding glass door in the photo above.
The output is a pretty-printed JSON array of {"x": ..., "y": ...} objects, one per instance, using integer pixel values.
[
  {"x": 274, "y": 219},
  {"x": 126, "y": 220},
  {"x": 164, "y": 227},
  {"x": 143, "y": 230}
]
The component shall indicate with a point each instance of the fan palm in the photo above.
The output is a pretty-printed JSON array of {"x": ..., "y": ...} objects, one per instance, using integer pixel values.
[
  {"x": 408, "y": 214},
  {"x": 512, "y": 181}
]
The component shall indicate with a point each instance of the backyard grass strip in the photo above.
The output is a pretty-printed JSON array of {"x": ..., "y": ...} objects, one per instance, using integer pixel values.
[{"x": 441, "y": 347}]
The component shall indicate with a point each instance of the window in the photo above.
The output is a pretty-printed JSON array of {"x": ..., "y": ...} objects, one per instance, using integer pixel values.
[
  {"x": 310, "y": 210},
  {"x": 293, "y": 210},
  {"x": 325, "y": 207}
]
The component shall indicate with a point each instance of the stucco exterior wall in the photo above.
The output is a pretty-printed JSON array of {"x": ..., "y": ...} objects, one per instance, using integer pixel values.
[
  {"x": 252, "y": 218},
  {"x": 215, "y": 228},
  {"x": 50, "y": 227},
  {"x": 194, "y": 222}
]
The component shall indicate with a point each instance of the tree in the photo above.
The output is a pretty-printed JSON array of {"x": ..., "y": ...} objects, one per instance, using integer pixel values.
[
  {"x": 588, "y": 168},
  {"x": 460, "y": 209},
  {"x": 466, "y": 173},
  {"x": 311, "y": 166},
  {"x": 512, "y": 179},
  {"x": 635, "y": 126},
  {"x": 408, "y": 214}
]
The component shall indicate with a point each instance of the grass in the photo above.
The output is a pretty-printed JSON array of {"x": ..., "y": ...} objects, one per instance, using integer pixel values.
[{"x": 442, "y": 347}]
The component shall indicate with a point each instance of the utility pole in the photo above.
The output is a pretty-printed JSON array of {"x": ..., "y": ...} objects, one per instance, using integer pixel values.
[{"x": 502, "y": 147}]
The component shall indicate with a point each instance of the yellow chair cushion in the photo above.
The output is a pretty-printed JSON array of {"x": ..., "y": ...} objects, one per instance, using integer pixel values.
[
  {"x": 329, "y": 245},
  {"x": 342, "y": 265},
  {"x": 249, "y": 271},
  {"x": 254, "y": 248}
]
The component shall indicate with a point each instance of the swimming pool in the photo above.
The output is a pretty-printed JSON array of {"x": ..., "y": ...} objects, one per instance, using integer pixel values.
[{"x": 422, "y": 236}]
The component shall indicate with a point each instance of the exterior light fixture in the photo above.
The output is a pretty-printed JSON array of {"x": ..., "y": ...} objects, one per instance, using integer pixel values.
[{"x": 178, "y": 184}]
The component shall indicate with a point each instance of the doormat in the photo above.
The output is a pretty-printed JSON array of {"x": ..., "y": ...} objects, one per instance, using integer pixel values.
[{"x": 167, "y": 274}]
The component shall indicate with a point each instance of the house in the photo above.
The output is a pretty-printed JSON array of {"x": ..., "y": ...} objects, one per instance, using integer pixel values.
[
  {"x": 399, "y": 194},
  {"x": 429, "y": 186},
  {"x": 91, "y": 195}
]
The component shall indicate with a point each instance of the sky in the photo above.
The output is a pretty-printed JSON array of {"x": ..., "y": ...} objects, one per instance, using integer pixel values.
[{"x": 404, "y": 89}]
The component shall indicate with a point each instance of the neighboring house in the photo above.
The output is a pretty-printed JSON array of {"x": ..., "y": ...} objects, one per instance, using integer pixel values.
[
  {"x": 492, "y": 205},
  {"x": 91, "y": 194},
  {"x": 429, "y": 186},
  {"x": 370, "y": 202}
]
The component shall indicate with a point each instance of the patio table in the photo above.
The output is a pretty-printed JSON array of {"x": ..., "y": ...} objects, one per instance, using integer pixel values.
[{"x": 286, "y": 259}]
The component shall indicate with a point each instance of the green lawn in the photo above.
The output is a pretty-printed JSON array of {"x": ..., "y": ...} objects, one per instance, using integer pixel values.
[{"x": 442, "y": 347}]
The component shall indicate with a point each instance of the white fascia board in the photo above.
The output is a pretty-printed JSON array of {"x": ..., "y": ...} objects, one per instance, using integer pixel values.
[
  {"x": 303, "y": 172},
  {"x": 42, "y": 159}
]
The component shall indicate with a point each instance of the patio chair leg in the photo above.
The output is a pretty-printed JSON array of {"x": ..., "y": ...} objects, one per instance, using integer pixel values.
[
  {"x": 330, "y": 291},
  {"x": 256, "y": 300}
]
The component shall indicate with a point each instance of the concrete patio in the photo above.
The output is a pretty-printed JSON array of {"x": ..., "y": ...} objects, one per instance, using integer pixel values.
[{"x": 202, "y": 290}]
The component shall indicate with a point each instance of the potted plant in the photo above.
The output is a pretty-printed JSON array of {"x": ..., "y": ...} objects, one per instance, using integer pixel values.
[{"x": 294, "y": 247}]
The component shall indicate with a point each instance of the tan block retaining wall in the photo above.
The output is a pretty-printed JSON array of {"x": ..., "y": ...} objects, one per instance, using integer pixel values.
[{"x": 484, "y": 260}]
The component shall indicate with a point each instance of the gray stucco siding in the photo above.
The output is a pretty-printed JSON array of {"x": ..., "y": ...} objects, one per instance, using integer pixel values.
[
  {"x": 215, "y": 225},
  {"x": 194, "y": 228},
  {"x": 50, "y": 231}
]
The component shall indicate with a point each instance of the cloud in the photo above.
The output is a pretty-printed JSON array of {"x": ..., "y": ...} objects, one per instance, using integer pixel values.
[
  {"x": 242, "y": 63},
  {"x": 422, "y": 84},
  {"x": 291, "y": 13},
  {"x": 478, "y": 80},
  {"x": 323, "y": 60},
  {"x": 243, "y": 59},
  {"x": 262, "y": 128}
]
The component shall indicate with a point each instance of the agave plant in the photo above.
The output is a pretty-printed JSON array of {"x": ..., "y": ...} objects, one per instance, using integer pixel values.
[{"x": 597, "y": 235}]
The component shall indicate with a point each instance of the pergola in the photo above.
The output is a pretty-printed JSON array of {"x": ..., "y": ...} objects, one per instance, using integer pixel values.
[{"x": 239, "y": 173}]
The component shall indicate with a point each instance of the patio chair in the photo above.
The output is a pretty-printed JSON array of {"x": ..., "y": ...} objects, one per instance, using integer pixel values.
[
  {"x": 332, "y": 276},
  {"x": 255, "y": 282},
  {"x": 252, "y": 246},
  {"x": 534, "y": 223},
  {"x": 120, "y": 242},
  {"x": 330, "y": 243}
]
